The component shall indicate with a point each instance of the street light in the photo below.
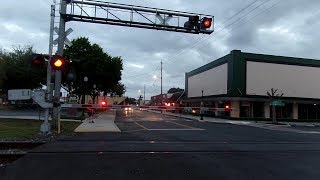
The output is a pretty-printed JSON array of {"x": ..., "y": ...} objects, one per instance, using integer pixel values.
[
  {"x": 201, "y": 108},
  {"x": 154, "y": 77}
]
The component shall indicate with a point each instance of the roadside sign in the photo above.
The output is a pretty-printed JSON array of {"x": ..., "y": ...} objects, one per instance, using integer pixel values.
[{"x": 277, "y": 103}]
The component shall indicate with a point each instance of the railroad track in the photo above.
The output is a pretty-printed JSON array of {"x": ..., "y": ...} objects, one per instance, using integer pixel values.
[
  {"x": 11, "y": 151},
  {"x": 24, "y": 145}
]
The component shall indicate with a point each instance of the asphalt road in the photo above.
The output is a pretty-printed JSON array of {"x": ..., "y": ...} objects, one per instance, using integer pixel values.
[{"x": 155, "y": 146}]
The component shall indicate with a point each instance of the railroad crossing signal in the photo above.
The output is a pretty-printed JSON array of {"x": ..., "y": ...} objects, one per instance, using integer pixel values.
[
  {"x": 57, "y": 63},
  {"x": 206, "y": 23},
  {"x": 200, "y": 25},
  {"x": 38, "y": 61},
  {"x": 134, "y": 16},
  {"x": 165, "y": 20},
  {"x": 101, "y": 12},
  {"x": 103, "y": 103},
  {"x": 66, "y": 40}
]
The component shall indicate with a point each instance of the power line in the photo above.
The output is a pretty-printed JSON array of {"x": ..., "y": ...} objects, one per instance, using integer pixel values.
[
  {"x": 220, "y": 30},
  {"x": 203, "y": 37},
  {"x": 191, "y": 45},
  {"x": 243, "y": 9},
  {"x": 143, "y": 73},
  {"x": 195, "y": 44},
  {"x": 246, "y": 21}
]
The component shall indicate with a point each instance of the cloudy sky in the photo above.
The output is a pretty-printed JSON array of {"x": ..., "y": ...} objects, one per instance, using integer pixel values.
[{"x": 278, "y": 27}]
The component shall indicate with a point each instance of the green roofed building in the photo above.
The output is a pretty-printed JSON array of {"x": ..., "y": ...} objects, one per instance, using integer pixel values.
[{"x": 241, "y": 80}]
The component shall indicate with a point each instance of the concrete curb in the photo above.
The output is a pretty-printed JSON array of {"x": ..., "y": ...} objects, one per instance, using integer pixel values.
[
  {"x": 292, "y": 124},
  {"x": 183, "y": 117}
]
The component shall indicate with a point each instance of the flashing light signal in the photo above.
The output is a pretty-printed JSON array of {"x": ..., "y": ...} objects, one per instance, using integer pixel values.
[
  {"x": 57, "y": 62},
  {"x": 227, "y": 107},
  {"x": 38, "y": 61},
  {"x": 103, "y": 103},
  {"x": 206, "y": 23}
]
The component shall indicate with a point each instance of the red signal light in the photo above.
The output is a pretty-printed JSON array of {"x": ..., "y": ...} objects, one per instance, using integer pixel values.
[
  {"x": 206, "y": 23},
  {"x": 227, "y": 107},
  {"x": 103, "y": 103},
  {"x": 38, "y": 61}
]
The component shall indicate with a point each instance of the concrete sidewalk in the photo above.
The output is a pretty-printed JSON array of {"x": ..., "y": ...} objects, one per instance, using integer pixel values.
[
  {"x": 244, "y": 122},
  {"x": 103, "y": 122}
]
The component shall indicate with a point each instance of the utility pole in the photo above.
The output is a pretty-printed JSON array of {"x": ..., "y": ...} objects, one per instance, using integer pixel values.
[
  {"x": 57, "y": 83},
  {"x": 45, "y": 127},
  {"x": 144, "y": 94}
]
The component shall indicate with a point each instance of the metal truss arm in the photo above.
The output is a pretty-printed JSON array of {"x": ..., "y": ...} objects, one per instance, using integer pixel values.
[{"x": 132, "y": 16}]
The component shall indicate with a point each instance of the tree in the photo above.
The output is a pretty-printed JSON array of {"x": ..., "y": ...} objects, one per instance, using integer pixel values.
[
  {"x": 131, "y": 100},
  {"x": 140, "y": 99},
  {"x": 89, "y": 60},
  {"x": 273, "y": 95},
  {"x": 175, "y": 90},
  {"x": 16, "y": 72}
]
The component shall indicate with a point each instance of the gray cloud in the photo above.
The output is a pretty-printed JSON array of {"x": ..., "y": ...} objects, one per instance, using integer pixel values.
[{"x": 290, "y": 28}]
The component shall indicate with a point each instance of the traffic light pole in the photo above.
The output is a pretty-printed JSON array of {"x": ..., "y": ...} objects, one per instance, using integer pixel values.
[{"x": 57, "y": 83}]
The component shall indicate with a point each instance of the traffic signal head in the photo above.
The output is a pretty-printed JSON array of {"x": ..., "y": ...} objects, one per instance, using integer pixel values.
[
  {"x": 57, "y": 62},
  {"x": 38, "y": 61},
  {"x": 206, "y": 23}
]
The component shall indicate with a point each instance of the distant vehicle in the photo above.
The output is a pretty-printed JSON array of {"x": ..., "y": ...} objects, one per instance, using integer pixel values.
[
  {"x": 128, "y": 109},
  {"x": 73, "y": 99}
]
